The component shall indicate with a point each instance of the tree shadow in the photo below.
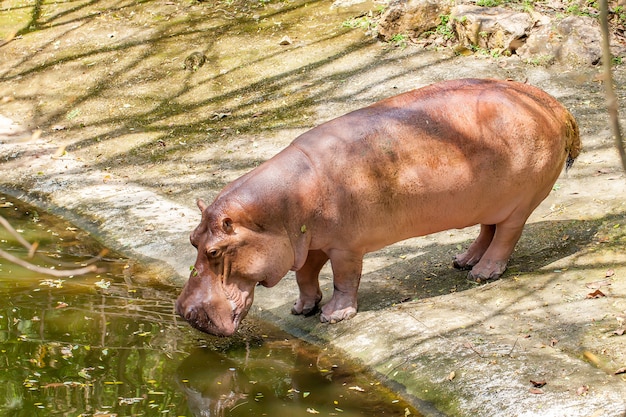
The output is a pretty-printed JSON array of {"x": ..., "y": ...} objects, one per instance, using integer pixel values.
[{"x": 430, "y": 273}]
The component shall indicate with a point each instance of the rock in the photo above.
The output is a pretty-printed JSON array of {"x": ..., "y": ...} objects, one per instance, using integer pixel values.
[
  {"x": 574, "y": 41},
  {"x": 411, "y": 17},
  {"x": 491, "y": 28}
]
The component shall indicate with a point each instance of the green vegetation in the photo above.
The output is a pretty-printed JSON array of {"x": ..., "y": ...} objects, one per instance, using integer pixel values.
[
  {"x": 361, "y": 22},
  {"x": 399, "y": 40},
  {"x": 589, "y": 9},
  {"x": 444, "y": 28},
  {"x": 488, "y": 3}
]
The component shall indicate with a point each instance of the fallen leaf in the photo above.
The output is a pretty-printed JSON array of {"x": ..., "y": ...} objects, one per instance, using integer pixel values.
[
  {"x": 591, "y": 358},
  {"x": 103, "y": 284},
  {"x": 219, "y": 116},
  {"x": 598, "y": 284},
  {"x": 596, "y": 294},
  {"x": 583, "y": 390},
  {"x": 620, "y": 371},
  {"x": 312, "y": 411},
  {"x": 357, "y": 388},
  {"x": 535, "y": 391},
  {"x": 609, "y": 273},
  {"x": 451, "y": 376},
  {"x": 620, "y": 331},
  {"x": 538, "y": 384},
  {"x": 59, "y": 152},
  {"x": 286, "y": 40},
  {"x": 553, "y": 342}
]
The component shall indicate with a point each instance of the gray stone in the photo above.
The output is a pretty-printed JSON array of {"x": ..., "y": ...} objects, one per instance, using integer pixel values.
[
  {"x": 575, "y": 41},
  {"x": 411, "y": 17},
  {"x": 492, "y": 28}
]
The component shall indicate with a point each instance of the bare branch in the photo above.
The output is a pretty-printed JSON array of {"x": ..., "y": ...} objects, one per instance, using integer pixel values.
[
  {"x": 16, "y": 235},
  {"x": 47, "y": 271},
  {"x": 41, "y": 270},
  {"x": 611, "y": 97}
]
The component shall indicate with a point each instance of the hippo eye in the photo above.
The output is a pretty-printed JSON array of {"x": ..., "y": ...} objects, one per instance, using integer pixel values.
[{"x": 213, "y": 252}]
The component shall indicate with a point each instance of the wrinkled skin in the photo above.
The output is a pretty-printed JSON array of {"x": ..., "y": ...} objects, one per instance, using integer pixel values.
[{"x": 451, "y": 155}]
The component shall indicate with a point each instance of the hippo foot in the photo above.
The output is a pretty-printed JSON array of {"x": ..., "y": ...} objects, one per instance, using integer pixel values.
[
  {"x": 333, "y": 317},
  {"x": 305, "y": 311},
  {"x": 306, "y": 307},
  {"x": 467, "y": 260},
  {"x": 459, "y": 264},
  {"x": 487, "y": 271}
]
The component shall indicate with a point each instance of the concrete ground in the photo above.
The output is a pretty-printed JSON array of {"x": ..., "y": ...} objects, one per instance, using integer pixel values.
[{"x": 101, "y": 124}]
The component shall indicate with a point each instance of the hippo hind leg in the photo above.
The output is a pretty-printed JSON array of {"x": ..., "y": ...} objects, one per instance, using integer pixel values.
[
  {"x": 309, "y": 285},
  {"x": 477, "y": 249},
  {"x": 494, "y": 261}
]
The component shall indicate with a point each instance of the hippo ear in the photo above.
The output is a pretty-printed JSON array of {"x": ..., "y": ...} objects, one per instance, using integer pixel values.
[
  {"x": 227, "y": 225},
  {"x": 201, "y": 204}
]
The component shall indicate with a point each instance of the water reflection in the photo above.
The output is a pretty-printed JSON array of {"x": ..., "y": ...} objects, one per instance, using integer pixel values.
[{"x": 109, "y": 344}]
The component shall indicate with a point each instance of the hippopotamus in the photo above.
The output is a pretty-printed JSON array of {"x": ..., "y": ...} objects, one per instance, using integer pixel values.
[{"x": 446, "y": 156}]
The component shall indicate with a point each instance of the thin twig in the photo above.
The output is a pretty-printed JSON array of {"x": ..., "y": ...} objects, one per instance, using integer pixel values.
[
  {"x": 513, "y": 347},
  {"x": 47, "y": 271},
  {"x": 14, "y": 233},
  {"x": 32, "y": 248}
]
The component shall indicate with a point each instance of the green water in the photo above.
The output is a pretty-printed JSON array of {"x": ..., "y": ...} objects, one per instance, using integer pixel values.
[{"x": 109, "y": 344}]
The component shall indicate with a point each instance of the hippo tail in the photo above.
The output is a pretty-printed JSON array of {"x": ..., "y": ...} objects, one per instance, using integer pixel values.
[{"x": 572, "y": 140}]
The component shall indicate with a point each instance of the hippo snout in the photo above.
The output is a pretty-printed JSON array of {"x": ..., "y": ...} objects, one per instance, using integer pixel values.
[{"x": 198, "y": 317}]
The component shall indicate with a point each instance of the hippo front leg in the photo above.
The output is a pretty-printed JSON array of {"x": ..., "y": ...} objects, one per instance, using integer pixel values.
[
  {"x": 347, "y": 268},
  {"x": 307, "y": 278}
]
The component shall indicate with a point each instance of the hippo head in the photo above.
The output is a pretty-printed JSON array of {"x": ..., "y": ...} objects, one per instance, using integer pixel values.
[{"x": 235, "y": 254}]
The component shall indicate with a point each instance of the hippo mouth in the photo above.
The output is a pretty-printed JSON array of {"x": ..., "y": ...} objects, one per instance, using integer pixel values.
[
  {"x": 200, "y": 319},
  {"x": 213, "y": 305}
]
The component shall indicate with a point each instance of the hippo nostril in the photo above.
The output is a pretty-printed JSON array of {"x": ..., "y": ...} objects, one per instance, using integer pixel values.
[
  {"x": 190, "y": 314},
  {"x": 187, "y": 313}
]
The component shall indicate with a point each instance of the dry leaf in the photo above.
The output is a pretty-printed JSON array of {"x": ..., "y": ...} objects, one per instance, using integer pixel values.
[
  {"x": 451, "y": 376},
  {"x": 598, "y": 284},
  {"x": 596, "y": 294},
  {"x": 553, "y": 342},
  {"x": 620, "y": 371},
  {"x": 286, "y": 40},
  {"x": 583, "y": 390},
  {"x": 609, "y": 273},
  {"x": 535, "y": 391},
  {"x": 591, "y": 358},
  {"x": 538, "y": 384},
  {"x": 620, "y": 331}
]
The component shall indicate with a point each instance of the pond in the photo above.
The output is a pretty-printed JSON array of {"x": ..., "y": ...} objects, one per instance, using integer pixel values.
[{"x": 109, "y": 344}]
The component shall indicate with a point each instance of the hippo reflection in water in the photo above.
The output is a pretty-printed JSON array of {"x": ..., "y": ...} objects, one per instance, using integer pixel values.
[{"x": 450, "y": 155}]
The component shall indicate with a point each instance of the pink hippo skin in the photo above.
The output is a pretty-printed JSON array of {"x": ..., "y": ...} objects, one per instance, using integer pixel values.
[{"x": 450, "y": 155}]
